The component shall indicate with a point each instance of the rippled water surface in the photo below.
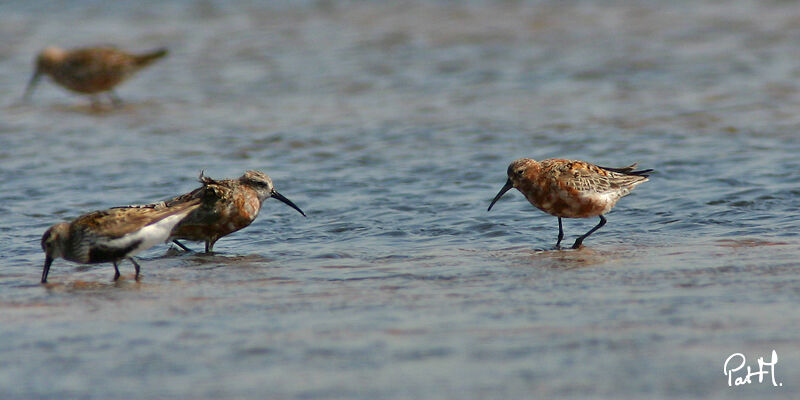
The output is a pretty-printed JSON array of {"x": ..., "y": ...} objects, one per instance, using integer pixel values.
[{"x": 391, "y": 125}]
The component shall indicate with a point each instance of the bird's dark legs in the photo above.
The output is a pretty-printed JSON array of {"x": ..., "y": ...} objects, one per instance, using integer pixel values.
[
  {"x": 560, "y": 233},
  {"x": 136, "y": 266},
  {"x": 181, "y": 245},
  {"x": 116, "y": 271},
  {"x": 210, "y": 245},
  {"x": 579, "y": 241}
]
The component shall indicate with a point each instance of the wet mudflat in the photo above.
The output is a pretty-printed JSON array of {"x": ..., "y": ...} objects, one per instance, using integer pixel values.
[{"x": 392, "y": 126}]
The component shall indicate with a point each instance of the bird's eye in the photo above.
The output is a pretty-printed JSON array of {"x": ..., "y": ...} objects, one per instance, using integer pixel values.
[{"x": 520, "y": 172}]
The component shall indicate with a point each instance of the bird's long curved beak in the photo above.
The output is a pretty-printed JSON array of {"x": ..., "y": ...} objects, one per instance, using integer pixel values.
[
  {"x": 37, "y": 75},
  {"x": 503, "y": 191},
  {"x": 286, "y": 201},
  {"x": 47, "y": 261}
]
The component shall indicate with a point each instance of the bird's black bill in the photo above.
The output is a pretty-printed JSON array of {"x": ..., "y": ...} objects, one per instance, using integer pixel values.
[
  {"x": 47, "y": 261},
  {"x": 503, "y": 191},
  {"x": 286, "y": 201},
  {"x": 31, "y": 85}
]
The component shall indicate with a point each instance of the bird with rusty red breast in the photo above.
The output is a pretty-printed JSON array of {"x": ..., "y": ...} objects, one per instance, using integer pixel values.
[
  {"x": 90, "y": 70},
  {"x": 571, "y": 189},
  {"x": 228, "y": 205}
]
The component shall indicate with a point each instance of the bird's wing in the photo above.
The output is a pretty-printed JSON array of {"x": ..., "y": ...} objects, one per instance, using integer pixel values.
[
  {"x": 96, "y": 61},
  {"x": 117, "y": 222}
]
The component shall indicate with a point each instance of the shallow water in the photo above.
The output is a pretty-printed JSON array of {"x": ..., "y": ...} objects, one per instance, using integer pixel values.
[{"x": 392, "y": 126}]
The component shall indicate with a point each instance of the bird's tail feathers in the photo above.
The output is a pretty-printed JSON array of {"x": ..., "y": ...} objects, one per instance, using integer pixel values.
[
  {"x": 629, "y": 170},
  {"x": 145, "y": 59}
]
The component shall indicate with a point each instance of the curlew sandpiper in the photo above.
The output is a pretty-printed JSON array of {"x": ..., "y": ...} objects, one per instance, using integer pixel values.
[
  {"x": 90, "y": 70},
  {"x": 571, "y": 189}
]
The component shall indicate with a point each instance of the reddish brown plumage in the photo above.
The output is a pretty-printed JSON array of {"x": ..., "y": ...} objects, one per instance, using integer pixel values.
[
  {"x": 89, "y": 70},
  {"x": 228, "y": 205},
  {"x": 571, "y": 189}
]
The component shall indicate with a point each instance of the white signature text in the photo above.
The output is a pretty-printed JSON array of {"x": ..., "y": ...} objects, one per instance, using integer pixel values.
[{"x": 736, "y": 361}]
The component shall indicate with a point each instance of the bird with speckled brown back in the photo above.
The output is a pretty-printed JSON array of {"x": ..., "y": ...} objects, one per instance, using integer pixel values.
[
  {"x": 228, "y": 205},
  {"x": 91, "y": 70},
  {"x": 571, "y": 189},
  {"x": 112, "y": 235}
]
